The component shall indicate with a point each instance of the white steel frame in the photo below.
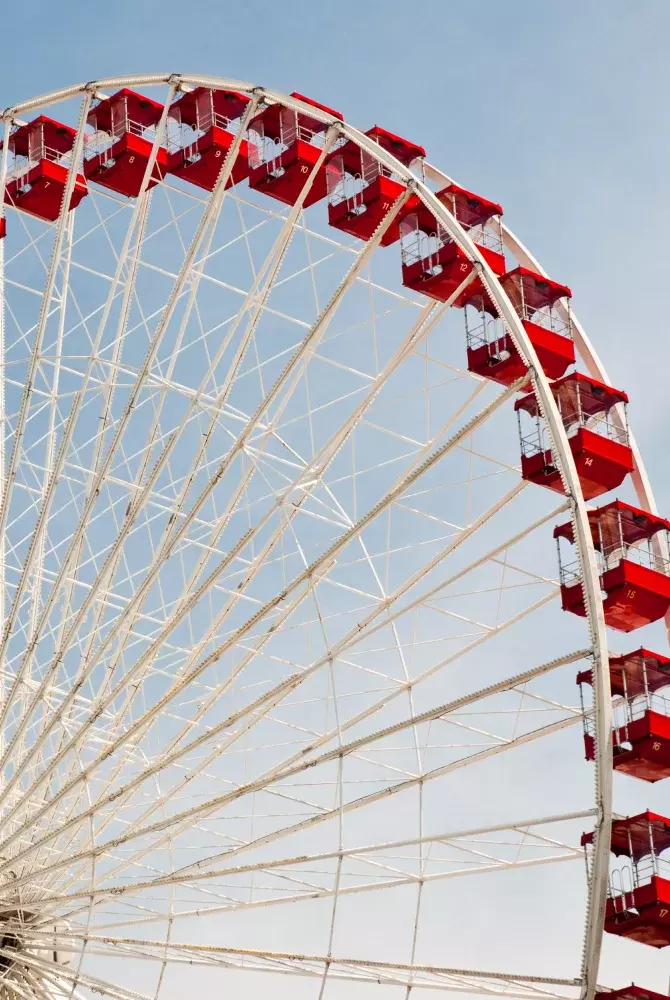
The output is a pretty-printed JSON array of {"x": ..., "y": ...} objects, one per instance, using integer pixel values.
[{"x": 43, "y": 980}]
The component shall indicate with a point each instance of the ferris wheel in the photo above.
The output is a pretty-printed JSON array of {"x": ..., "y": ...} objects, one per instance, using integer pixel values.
[{"x": 292, "y": 427}]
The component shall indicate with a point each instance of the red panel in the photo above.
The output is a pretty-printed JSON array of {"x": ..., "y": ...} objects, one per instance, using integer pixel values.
[
  {"x": 554, "y": 352},
  {"x": 56, "y": 135},
  {"x": 633, "y": 831},
  {"x": 122, "y": 167},
  {"x": 636, "y": 596},
  {"x": 139, "y": 108},
  {"x": 360, "y": 216},
  {"x": 440, "y": 274},
  {"x": 454, "y": 266},
  {"x": 597, "y": 397},
  {"x": 476, "y": 289},
  {"x": 630, "y": 836},
  {"x": 642, "y": 915},
  {"x": 538, "y": 291},
  {"x": 649, "y": 756},
  {"x": 289, "y": 172},
  {"x": 201, "y": 162},
  {"x": 539, "y": 469},
  {"x": 352, "y": 162},
  {"x": 601, "y": 464},
  {"x": 650, "y": 724},
  {"x": 589, "y": 751},
  {"x": 634, "y": 666},
  {"x": 227, "y": 103},
  {"x": 642, "y": 669},
  {"x": 639, "y": 763},
  {"x": 636, "y": 524},
  {"x": 41, "y": 191},
  {"x": 270, "y": 119},
  {"x": 499, "y": 361},
  {"x": 649, "y": 928},
  {"x": 470, "y": 209},
  {"x": 402, "y": 149},
  {"x": 647, "y": 759},
  {"x": 572, "y": 599}
]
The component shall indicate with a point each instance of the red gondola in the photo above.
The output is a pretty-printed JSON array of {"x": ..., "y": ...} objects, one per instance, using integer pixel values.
[
  {"x": 638, "y": 904},
  {"x": 361, "y": 189},
  {"x": 491, "y": 350},
  {"x": 118, "y": 150},
  {"x": 206, "y": 123},
  {"x": 37, "y": 179},
  {"x": 598, "y": 437},
  {"x": 633, "y": 574},
  {"x": 433, "y": 263},
  {"x": 284, "y": 147},
  {"x": 641, "y": 733}
]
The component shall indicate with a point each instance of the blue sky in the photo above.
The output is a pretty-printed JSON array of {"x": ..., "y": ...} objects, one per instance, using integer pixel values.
[{"x": 556, "y": 110}]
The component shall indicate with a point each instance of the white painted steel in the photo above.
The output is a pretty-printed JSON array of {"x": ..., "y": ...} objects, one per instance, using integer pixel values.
[{"x": 48, "y": 796}]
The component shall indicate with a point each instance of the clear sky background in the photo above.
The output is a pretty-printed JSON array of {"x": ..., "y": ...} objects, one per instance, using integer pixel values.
[{"x": 558, "y": 110}]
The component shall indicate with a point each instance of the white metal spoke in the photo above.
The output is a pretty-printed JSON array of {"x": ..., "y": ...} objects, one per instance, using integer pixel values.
[{"x": 305, "y": 576}]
